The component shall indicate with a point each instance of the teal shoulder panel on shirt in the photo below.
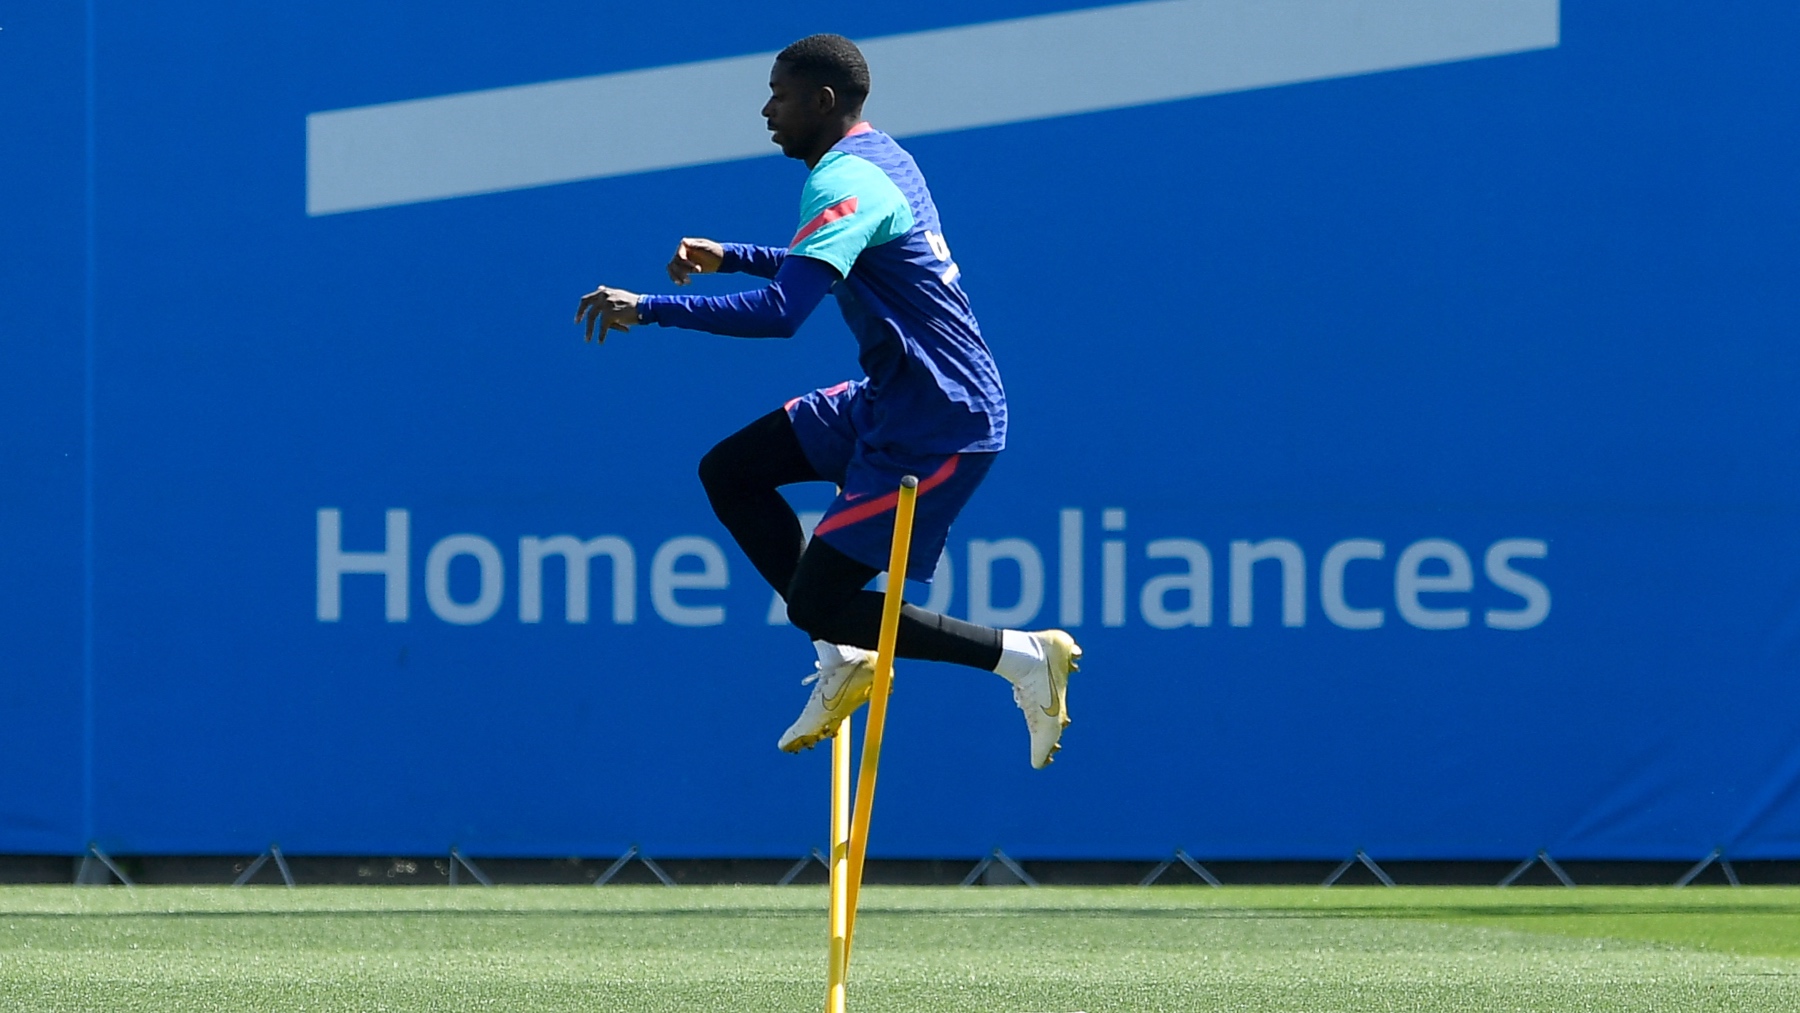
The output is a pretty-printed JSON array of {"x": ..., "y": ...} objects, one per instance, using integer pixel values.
[{"x": 847, "y": 206}]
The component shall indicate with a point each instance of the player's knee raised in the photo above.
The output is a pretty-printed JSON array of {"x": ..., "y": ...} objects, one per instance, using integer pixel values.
[{"x": 716, "y": 469}]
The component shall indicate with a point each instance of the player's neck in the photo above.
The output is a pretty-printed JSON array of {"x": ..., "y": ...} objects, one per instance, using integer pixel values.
[{"x": 828, "y": 139}]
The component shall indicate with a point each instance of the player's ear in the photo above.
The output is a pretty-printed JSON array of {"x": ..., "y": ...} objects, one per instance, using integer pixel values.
[{"x": 825, "y": 100}]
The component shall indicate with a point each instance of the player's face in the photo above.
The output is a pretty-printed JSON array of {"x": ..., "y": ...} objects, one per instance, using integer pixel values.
[{"x": 793, "y": 112}]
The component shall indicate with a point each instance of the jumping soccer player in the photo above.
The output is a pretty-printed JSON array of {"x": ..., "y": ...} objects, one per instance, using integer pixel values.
[{"x": 931, "y": 406}]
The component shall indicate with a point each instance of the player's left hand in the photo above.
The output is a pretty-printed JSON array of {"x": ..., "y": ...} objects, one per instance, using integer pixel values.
[
  {"x": 608, "y": 309},
  {"x": 695, "y": 256}
]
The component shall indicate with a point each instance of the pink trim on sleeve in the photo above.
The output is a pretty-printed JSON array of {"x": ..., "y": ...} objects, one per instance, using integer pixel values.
[{"x": 842, "y": 209}]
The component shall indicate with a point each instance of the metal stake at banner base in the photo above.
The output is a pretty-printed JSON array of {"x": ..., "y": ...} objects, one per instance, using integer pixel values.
[
  {"x": 799, "y": 867},
  {"x": 1185, "y": 859},
  {"x": 1006, "y": 862},
  {"x": 458, "y": 858},
  {"x": 1718, "y": 855},
  {"x": 1549, "y": 863},
  {"x": 850, "y": 822},
  {"x": 92, "y": 855},
  {"x": 1363, "y": 857},
  {"x": 626, "y": 859},
  {"x": 253, "y": 868}
]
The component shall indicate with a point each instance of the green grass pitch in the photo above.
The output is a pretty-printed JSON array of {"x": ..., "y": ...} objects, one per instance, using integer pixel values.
[{"x": 1050, "y": 950}]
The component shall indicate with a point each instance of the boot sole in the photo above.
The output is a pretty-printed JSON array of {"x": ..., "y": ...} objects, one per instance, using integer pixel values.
[
  {"x": 805, "y": 742},
  {"x": 1065, "y": 657}
]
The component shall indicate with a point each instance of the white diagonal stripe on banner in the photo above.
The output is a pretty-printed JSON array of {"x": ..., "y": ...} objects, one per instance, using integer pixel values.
[{"x": 925, "y": 82}]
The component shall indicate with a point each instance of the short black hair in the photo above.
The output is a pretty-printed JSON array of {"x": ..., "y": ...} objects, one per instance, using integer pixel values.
[{"x": 832, "y": 61}]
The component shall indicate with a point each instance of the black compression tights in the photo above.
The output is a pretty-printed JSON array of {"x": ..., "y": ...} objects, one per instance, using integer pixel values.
[{"x": 824, "y": 589}]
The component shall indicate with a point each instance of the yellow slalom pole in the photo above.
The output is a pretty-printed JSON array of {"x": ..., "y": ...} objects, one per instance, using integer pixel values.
[
  {"x": 840, "y": 859},
  {"x": 878, "y": 702}
]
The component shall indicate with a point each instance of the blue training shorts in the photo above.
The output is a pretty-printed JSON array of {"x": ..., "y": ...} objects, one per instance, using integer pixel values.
[{"x": 860, "y": 522}]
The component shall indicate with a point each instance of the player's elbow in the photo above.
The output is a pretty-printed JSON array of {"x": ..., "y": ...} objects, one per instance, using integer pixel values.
[{"x": 782, "y": 321}]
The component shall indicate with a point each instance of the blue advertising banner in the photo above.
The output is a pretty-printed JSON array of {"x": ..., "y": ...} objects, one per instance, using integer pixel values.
[
  {"x": 43, "y": 454},
  {"x": 1402, "y": 418}
]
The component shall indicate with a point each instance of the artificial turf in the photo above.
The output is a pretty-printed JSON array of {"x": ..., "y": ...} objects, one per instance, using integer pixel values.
[{"x": 650, "y": 949}]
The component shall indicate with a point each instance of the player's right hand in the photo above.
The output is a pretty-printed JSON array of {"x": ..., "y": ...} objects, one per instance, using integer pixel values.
[
  {"x": 607, "y": 309},
  {"x": 695, "y": 256}
]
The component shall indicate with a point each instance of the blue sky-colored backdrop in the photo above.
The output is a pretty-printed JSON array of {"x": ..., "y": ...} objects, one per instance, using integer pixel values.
[{"x": 1542, "y": 296}]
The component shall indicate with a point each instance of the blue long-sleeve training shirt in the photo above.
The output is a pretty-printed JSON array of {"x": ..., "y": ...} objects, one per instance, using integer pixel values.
[
  {"x": 762, "y": 261},
  {"x": 775, "y": 311},
  {"x": 869, "y": 233}
]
